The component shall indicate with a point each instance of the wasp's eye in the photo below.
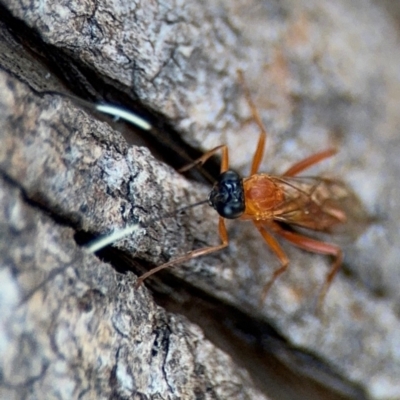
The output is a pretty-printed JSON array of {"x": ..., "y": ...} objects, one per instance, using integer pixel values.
[{"x": 227, "y": 195}]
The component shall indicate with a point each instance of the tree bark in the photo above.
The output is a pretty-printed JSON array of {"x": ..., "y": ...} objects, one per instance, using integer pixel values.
[{"x": 74, "y": 326}]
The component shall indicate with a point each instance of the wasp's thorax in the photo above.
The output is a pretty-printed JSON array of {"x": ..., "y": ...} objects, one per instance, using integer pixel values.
[{"x": 227, "y": 195}]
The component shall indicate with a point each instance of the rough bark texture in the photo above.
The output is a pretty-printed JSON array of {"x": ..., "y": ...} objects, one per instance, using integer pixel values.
[
  {"x": 86, "y": 333},
  {"x": 322, "y": 74}
]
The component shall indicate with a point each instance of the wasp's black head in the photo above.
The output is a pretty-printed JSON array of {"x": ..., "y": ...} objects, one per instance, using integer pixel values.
[{"x": 227, "y": 195}]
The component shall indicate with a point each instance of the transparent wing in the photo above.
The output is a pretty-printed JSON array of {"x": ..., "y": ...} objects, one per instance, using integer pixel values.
[{"x": 319, "y": 204}]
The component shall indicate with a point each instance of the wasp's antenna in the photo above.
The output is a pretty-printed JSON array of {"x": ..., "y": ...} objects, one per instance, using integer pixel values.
[
  {"x": 116, "y": 111},
  {"x": 105, "y": 240}
]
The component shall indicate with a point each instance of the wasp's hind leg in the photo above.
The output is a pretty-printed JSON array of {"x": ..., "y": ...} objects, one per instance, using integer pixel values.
[{"x": 319, "y": 247}]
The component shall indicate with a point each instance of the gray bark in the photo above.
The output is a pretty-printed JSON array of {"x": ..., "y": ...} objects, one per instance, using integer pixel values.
[{"x": 321, "y": 74}]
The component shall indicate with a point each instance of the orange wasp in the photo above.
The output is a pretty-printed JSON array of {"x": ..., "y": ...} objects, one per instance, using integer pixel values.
[{"x": 274, "y": 204}]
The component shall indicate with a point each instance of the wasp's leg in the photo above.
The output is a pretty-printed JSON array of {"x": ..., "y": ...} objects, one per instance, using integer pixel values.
[
  {"x": 309, "y": 162},
  {"x": 193, "y": 254},
  {"x": 258, "y": 155},
  {"x": 206, "y": 156},
  {"x": 315, "y": 246},
  {"x": 276, "y": 248}
]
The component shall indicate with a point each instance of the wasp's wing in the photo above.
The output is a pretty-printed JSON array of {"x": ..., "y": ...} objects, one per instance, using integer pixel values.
[{"x": 319, "y": 204}]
